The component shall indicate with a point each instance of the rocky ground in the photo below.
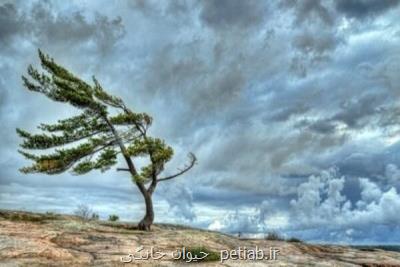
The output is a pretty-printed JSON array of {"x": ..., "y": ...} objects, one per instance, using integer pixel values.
[{"x": 31, "y": 239}]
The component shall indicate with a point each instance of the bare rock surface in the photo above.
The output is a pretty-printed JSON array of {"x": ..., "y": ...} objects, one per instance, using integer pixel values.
[{"x": 32, "y": 239}]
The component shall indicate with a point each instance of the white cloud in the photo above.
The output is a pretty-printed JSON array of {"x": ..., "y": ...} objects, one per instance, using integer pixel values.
[
  {"x": 369, "y": 191},
  {"x": 392, "y": 174},
  {"x": 179, "y": 199},
  {"x": 321, "y": 204}
]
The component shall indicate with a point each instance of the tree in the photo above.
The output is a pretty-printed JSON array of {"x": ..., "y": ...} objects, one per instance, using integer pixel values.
[
  {"x": 92, "y": 140},
  {"x": 113, "y": 218}
]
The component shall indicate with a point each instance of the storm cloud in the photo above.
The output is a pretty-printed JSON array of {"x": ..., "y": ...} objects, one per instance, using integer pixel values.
[{"x": 364, "y": 8}]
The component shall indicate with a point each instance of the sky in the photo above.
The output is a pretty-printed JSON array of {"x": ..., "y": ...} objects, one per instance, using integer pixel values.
[{"x": 291, "y": 107}]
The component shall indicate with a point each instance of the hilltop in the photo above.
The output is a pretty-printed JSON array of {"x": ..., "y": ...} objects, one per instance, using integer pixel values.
[{"x": 33, "y": 239}]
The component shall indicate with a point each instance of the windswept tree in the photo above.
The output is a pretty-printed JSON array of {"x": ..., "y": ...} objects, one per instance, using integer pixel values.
[{"x": 92, "y": 140}]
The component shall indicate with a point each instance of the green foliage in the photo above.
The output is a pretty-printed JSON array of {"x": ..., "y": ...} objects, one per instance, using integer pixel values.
[
  {"x": 83, "y": 167},
  {"x": 113, "y": 218},
  {"x": 138, "y": 178},
  {"x": 61, "y": 85},
  {"x": 161, "y": 153},
  {"x": 41, "y": 141},
  {"x": 62, "y": 159},
  {"x": 106, "y": 98},
  {"x": 90, "y": 140},
  {"x": 45, "y": 141},
  {"x": 294, "y": 240},
  {"x": 105, "y": 160},
  {"x": 131, "y": 118},
  {"x": 158, "y": 151},
  {"x": 87, "y": 120}
]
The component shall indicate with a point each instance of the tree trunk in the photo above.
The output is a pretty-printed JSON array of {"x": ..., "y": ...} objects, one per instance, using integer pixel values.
[{"x": 148, "y": 218}]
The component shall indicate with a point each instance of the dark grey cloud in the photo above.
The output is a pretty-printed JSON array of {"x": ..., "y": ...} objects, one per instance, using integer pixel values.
[
  {"x": 178, "y": 10},
  {"x": 322, "y": 126},
  {"x": 225, "y": 14},
  {"x": 318, "y": 42},
  {"x": 43, "y": 26},
  {"x": 355, "y": 110},
  {"x": 9, "y": 23},
  {"x": 364, "y": 8},
  {"x": 361, "y": 111},
  {"x": 285, "y": 113},
  {"x": 179, "y": 7},
  {"x": 309, "y": 10},
  {"x": 3, "y": 95}
]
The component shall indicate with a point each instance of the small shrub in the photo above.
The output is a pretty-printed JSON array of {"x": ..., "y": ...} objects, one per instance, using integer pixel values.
[
  {"x": 273, "y": 236},
  {"x": 199, "y": 252},
  {"x": 113, "y": 218},
  {"x": 85, "y": 213},
  {"x": 95, "y": 216},
  {"x": 294, "y": 240},
  {"x": 29, "y": 217},
  {"x": 22, "y": 217}
]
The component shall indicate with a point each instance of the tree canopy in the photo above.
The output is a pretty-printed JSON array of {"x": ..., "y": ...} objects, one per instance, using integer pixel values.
[{"x": 92, "y": 139}]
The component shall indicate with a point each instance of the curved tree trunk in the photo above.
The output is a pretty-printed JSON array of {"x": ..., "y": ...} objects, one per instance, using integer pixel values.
[{"x": 147, "y": 221}]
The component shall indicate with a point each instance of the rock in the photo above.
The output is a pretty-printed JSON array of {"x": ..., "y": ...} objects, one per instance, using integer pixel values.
[{"x": 32, "y": 239}]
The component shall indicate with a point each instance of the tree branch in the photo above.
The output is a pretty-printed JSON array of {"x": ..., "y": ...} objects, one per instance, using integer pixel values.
[
  {"x": 91, "y": 153},
  {"x": 193, "y": 161},
  {"x": 123, "y": 169}
]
